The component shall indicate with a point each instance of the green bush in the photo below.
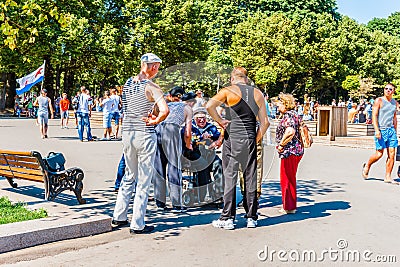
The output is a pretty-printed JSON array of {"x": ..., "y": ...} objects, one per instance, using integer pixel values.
[{"x": 18, "y": 212}]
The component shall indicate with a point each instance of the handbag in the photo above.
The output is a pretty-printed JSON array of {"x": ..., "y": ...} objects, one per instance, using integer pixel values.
[
  {"x": 55, "y": 161},
  {"x": 305, "y": 136}
]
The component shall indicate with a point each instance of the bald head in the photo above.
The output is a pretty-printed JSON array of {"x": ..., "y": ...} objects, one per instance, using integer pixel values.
[{"x": 239, "y": 74}]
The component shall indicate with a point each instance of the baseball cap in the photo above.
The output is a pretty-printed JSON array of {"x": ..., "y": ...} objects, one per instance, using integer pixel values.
[
  {"x": 177, "y": 91},
  {"x": 188, "y": 96},
  {"x": 150, "y": 58},
  {"x": 199, "y": 112},
  {"x": 44, "y": 91}
]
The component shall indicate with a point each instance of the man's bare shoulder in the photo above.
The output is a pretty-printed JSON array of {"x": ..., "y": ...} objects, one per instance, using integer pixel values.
[
  {"x": 258, "y": 93},
  {"x": 151, "y": 85},
  {"x": 378, "y": 101}
]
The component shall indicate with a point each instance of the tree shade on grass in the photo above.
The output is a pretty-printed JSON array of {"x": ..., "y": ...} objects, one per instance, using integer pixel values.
[{"x": 18, "y": 212}]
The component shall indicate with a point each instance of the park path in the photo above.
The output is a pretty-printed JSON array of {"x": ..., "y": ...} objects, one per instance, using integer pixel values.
[{"x": 335, "y": 204}]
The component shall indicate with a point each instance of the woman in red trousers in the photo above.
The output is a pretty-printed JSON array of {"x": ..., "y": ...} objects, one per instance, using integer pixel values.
[{"x": 290, "y": 150}]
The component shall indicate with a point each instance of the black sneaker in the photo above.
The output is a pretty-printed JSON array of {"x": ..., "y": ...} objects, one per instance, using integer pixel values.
[
  {"x": 115, "y": 224},
  {"x": 147, "y": 229},
  {"x": 177, "y": 209}
]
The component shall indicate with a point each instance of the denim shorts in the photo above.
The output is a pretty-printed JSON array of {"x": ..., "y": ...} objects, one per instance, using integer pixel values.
[
  {"x": 388, "y": 139},
  {"x": 115, "y": 117},
  {"x": 64, "y": 114},
  {"x": 107, "y": 120},
  {"x": 43, "y": 118}
]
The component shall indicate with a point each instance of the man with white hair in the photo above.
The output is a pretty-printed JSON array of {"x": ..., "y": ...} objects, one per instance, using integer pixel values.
[
  {"x": 139, "y": 97},
  {"x": 203, "y": 158}
]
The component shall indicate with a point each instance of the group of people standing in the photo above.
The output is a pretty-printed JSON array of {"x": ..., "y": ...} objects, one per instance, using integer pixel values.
[
  {"x": 243, "y": 126},
  {"x": 81, "y": 104}
]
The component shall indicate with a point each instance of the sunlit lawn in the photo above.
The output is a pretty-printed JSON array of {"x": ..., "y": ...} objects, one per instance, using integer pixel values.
[{"x": 18, "y": 212}]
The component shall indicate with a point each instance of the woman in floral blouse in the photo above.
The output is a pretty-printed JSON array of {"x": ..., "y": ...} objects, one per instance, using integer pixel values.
[{"x": 290, "y": 150}]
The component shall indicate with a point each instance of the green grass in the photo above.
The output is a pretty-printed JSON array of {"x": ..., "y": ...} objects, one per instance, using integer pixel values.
[{"x": 18, "y": 212}]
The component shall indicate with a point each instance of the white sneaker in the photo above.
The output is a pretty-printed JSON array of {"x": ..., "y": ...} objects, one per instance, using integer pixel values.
[
  {"x": 251, "y": 223},
  {"x": 227, "y": 225}
]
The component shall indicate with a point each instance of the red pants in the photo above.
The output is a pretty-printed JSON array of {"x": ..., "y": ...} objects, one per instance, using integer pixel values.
[{"x": 288, "y": 181}]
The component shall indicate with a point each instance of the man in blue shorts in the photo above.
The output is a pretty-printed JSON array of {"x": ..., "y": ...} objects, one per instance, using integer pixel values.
[{"x": 384, "y": 121}]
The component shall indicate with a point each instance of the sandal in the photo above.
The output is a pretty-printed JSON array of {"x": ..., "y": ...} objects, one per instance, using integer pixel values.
[
  {"x": 391, "y": 182},
  {"x": 364, "y": 173}
]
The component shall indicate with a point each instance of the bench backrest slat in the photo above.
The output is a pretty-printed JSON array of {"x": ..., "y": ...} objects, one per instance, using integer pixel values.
[
  {"x": 19, "y": 153},
  {"x": 22, "y": 158},
  {"x": 24, "y": 176},
  {"x": 22, "y": 165},
  {"x": 15, "y": 163},
  {"x": 17, "y": 170}
]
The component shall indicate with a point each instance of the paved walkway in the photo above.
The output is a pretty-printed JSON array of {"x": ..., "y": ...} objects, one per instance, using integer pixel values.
[{"x": 338, "y": 210}]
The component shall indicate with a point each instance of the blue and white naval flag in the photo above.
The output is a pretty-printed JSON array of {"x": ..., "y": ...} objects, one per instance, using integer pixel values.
[{"x": 26, "y": 82}]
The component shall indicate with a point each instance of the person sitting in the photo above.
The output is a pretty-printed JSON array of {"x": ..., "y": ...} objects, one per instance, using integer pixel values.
[
  {"x": 202, "y": 159},
  {"x": 352, "y": 115}
]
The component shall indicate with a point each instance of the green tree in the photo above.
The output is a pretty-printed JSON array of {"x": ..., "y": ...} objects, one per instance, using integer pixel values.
[{"x": 351, "y": 84}]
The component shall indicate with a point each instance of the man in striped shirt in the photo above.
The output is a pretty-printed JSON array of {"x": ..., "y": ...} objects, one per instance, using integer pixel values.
[{"x": 139, "y": 97}]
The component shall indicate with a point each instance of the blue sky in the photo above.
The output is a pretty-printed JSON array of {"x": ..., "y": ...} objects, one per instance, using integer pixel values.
[{"x": 365, "y": 10}]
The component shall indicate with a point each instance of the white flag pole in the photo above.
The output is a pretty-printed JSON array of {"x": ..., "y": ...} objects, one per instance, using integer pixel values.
[{"x": 44, "y": 70}]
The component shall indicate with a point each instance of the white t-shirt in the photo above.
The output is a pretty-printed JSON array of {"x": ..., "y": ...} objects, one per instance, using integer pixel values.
[
  {"x": 116, "y": 99},
  {"x": 83, "y": 103},
  {"x": 107, "y": 105},
  {"x": 199, "y": 102}
]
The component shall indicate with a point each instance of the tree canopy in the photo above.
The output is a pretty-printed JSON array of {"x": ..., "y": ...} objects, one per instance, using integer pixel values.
[{"x": 297, "y": 46}]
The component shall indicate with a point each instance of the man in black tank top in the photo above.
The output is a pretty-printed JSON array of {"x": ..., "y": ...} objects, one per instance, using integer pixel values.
[{"x": 245, "y": 105}]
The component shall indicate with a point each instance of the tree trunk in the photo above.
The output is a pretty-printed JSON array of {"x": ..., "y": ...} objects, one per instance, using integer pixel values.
[
  {"x": 69, "y": 82},
  {"x": 58, "y": 80},
  {"x": 11, "y": 85},
  {"x": 3, "y": 92},
  {"x": 49, "y": 78}
]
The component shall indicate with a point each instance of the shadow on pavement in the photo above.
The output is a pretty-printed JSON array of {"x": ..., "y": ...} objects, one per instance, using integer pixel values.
[
  {"x": 271, "y": 191},
  {"x": 317, "y": 210},
  {"x": 37, "y": 192},
  {"x": 167, "y": 223}
]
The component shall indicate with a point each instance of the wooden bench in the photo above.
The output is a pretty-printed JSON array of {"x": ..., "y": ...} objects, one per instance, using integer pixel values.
[{"x": 31, "y": 166}]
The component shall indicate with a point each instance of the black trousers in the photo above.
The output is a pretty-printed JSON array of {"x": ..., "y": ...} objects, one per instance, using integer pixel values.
[{"x": 239, "y": 152}]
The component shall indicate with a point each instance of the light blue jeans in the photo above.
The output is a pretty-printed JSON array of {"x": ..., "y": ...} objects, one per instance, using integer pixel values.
[
  {"x": 83, "y": 120},
  {"x": 139, "y": 151}
]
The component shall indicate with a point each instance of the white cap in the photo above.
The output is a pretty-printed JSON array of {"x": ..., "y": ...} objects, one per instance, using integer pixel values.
[
  {"x": 150, "y": 58},
  {"x": 199, "y": 111}
]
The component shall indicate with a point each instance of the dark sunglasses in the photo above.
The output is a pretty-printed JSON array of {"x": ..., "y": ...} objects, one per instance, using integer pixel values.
[{"x": 389, "y": 88}]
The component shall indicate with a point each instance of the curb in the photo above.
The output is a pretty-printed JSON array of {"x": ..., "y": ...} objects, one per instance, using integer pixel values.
[{"x": 25, "y": 234}]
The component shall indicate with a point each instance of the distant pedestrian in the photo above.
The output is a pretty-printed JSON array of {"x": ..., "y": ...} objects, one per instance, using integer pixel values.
[
  {"x": 83, "y": 113},
  {"x": 139, "y": 96},
  {"x": 64, "y": 107},
  {"x": 115, "y": 111},
  {"x": 200, "y": 102},
  {"x": 107, "y": 104},
  {"x": 75, "y": 105},
  {"x": 44, "y": 104},
  {"x": 384, "y": 120}
]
